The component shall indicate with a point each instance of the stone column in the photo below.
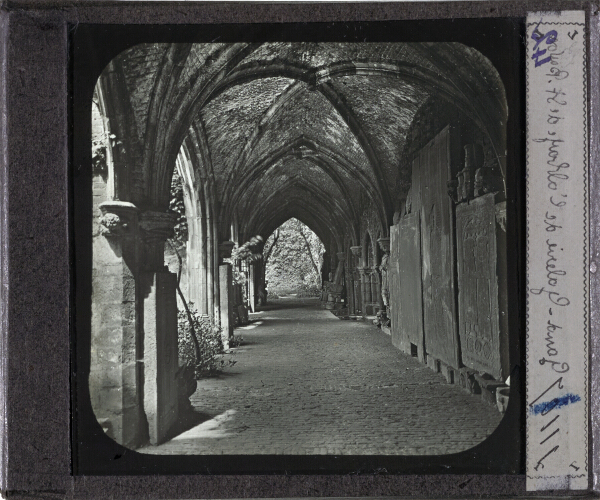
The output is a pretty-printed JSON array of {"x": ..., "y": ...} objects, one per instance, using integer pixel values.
[
  {"x": 336, "y": 287},
  {"x": 349, "y": 284},
  {"x": 363, "y": 289},
  {"x": 228, "y": 303},
  {"x": 161, "y": 360},
  {"x": 356, "y": 303},
  {"x": 211, "y": 272},
  {"x": 193, "y": 271},
  {"x": 116, "y": 379},
  {"x": 226, "y": 297},
  {"x": 341, "y": 257},
  {"x": 196, "y": 264},
  {"x": 375, "y": 287},
  {"x": 325, "y": 267},
  {"x": 216, "y": 262},
  {"x": 251, "y": 288}
]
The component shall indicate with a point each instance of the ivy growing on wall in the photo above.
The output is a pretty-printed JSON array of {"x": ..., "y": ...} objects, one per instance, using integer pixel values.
[{"x": 176, "y": 205}]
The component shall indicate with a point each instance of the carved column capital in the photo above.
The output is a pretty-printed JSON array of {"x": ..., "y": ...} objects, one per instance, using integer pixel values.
[
  {"x": 119, "y": 219},
  {"x": 156, "y": 227},
  {"x": 356, "y": 251},
  {"x": 225, "y": 249},
  {"x": 384, "y": 244}
]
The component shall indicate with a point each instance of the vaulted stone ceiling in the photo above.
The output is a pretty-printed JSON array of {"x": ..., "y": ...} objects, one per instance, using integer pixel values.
[{"x": 306, "y": 130}]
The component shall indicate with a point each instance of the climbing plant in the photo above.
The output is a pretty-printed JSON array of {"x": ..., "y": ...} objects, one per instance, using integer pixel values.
[
  {"x": 199, "y": 340},
  {"x": 200, "y": 344},
  {"x": 176, "y": 205},
  {"x": 248, "y": 252},
  {"x": 99, "y": 166}
]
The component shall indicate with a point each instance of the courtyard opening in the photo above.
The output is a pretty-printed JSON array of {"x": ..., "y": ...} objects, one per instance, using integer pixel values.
[{"x": 293, "y": 260}]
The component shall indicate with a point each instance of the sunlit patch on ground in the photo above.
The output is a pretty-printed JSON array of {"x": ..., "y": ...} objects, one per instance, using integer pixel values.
[{"x": 214, "y": 428}]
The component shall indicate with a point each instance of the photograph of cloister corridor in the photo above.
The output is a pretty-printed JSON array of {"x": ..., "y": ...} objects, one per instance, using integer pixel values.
[{"x": 299, "y": 249}]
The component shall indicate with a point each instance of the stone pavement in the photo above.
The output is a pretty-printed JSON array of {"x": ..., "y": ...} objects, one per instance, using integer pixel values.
[{"x": 306, "y": 382}]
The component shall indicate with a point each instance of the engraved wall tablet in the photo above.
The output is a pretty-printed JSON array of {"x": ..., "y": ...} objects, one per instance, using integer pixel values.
[
  {"x": 405, "y": 285},
  {"x": 479, "y": 328},
  {"x": 431, "y": 171}
]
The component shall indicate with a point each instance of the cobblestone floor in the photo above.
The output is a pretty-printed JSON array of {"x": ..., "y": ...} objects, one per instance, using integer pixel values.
[{"x": 306, "y": 382}]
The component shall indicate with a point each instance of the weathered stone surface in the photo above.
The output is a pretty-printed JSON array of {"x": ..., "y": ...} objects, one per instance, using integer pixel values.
[
  {"x": 114, "y": 381},
  {"x": 479, "y": 327},
  {"x": 406, "y": 311},
  {"x": 161, "y": 363},
  {"x": 431, "y": 170},
  {"x": 226, "y": 298},
  {"x": 434, "y": 364},
  {"x": 156, "y": 226}
]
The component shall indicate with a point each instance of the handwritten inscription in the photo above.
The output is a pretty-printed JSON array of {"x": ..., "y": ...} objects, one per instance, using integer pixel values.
[
  {"x": 539, "y": 37},
  {"x": 554, "y": 169},
  {"x": 557, "y": 175}
]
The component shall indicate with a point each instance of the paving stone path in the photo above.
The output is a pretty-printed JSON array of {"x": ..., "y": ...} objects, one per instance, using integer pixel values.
[{"x": 306, "y": 382}]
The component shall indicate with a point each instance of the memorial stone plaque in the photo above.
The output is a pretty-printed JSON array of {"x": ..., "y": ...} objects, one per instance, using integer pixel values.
[
  {"x": 479, "y": 328},
  {"x": 431, "y": 173},
  {"x": 405, "y": 285}
]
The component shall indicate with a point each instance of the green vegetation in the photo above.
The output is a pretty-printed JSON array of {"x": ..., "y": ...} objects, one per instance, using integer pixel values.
[
  {"x": 293, "y": 257},
  {"x": 200, "y": 344},
  {"x": 176, "y": 205}
]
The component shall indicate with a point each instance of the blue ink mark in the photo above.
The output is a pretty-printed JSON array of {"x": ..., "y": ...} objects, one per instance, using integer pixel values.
[
  {"x": 539, "y": 37},
  {"x": 556, "y": 403}
]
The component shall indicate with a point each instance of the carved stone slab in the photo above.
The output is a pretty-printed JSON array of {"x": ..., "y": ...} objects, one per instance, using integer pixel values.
[
  {"x": 431, "y": 171},
  {"x": 405, "y": 285},
  {"x": 479, "y": 326}
]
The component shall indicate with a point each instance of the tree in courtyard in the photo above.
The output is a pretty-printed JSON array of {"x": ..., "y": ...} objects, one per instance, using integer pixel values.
[{"x": 292, "y": 259}]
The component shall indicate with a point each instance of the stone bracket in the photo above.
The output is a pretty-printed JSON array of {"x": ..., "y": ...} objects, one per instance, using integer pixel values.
[{"x": 119, "y": 219}]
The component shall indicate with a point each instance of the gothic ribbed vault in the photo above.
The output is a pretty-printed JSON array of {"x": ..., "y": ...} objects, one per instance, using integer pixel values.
[{"x": 310, "y": 130}]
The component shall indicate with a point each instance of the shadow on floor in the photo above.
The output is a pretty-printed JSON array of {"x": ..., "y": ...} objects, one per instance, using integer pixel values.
[{"x": 188, "y": 419}]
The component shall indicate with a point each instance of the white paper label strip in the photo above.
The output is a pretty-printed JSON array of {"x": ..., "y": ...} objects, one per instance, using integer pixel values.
[{"x": 557, "y": 279}]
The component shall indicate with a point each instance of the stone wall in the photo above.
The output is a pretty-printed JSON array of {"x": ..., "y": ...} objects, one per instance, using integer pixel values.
[{"x": 448, "y": 251}]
